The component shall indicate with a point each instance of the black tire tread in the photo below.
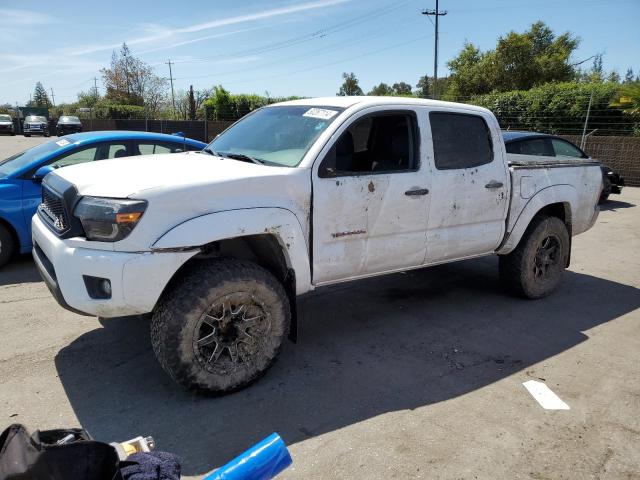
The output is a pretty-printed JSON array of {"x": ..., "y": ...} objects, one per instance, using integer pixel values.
[
  {"x": 8, "y": 247},
  {"x": 183, "y": 295},
  {"x": 510, "y": 265}
]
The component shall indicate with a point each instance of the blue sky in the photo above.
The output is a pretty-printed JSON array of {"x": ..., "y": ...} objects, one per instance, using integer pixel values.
[{"x": 283, "y": 47}]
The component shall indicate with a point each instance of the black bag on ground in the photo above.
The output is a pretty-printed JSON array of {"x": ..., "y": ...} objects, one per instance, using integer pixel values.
[{"x": 38, "y": 457}]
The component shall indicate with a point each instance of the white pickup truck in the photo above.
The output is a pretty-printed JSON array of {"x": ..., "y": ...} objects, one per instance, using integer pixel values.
[{"x": 218, "y": 244}]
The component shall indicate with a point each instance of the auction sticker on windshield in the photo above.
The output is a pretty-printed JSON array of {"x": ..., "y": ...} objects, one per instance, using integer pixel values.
[
  {"x": 321, "y": 113},
  {"x": 62, "y": 142}
]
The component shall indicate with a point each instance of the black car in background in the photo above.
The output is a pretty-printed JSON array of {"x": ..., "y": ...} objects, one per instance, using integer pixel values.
[
  {"x": 6, "y": 124},
  {"x": 532, "y": 143},
  {"x": 35, "y": 125},
  {"x": 68, "y": 124}
]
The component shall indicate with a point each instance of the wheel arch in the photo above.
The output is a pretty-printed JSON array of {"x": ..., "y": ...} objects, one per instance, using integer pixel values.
[
  {"x": 14, "y": 234},
  {"x": 270, "y": 237},
  {"x": 559, "y": 201}
]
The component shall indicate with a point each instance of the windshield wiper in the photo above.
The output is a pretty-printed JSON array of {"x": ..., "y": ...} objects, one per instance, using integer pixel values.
[
  {"x": 242, "y": 157},
  {"x": 210, "y": 152}
]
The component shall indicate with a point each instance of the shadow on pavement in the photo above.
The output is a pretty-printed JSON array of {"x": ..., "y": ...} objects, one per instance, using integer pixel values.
[
  {"x": 613, "y": 205},
  {"x": 366, "y": 348},
  {"x": 21, "y": 269}
]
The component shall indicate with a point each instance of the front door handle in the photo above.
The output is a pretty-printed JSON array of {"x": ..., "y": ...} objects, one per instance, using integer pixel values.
[
  {"x": 416, "y": 191},
  {"x": 493, "y": 184}
]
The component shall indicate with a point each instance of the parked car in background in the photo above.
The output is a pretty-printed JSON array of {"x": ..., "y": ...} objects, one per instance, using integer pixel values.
[
  {"x": 612, "y": 183},
  {"x": 6, "y": 124},
  {"x": 35, "y": 125},
  {"x": 295, "y": 196},
  {"x": 68, "y": 124},
  {"x": 21, "y": 174},
  {"x": 542, "y": 144}
]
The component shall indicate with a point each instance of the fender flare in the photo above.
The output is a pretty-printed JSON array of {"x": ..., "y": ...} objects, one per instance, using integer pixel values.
[
  {"x": 279, "y": 222},
  {"x": 563, "y": 193}
]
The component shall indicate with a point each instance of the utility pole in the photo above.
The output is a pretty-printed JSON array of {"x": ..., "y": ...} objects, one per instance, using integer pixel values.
[
  {"x": 95, "y": 87},
  {"x": 173, "y": 98},
  {"x": 435, "y": 13},
  {"x": 53, "y": 99}
]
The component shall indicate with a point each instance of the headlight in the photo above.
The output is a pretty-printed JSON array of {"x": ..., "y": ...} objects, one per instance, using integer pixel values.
[{"x": 107, "y": 219}]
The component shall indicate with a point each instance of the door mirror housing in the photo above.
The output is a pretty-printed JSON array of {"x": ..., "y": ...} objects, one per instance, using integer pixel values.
[{"x": 42, "y": 172}]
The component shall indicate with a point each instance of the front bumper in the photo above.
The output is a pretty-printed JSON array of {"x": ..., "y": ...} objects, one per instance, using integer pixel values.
[{"x": 137, "y": 279}]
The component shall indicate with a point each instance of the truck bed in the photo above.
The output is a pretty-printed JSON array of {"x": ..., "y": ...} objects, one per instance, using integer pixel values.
[{"x": 579, "y": 180}]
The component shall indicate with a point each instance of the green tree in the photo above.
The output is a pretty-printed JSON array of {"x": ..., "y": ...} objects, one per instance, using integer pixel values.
[
  {"x": 520, "y": 61},
  {"x": 423, "y": 87},
  {"x": 220, "y": 105},
  {"x": 402, "y": 88},
  {"x": 381, "y": 89},
  {"x": 130, "y": 81},
  {"x": 40, "y": 97},
  {"x": 628, "y": 77},
  {"x": 350, "y": 86}
]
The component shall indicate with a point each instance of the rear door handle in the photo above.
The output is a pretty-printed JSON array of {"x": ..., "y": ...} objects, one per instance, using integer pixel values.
[
  {"x": 493, "y": 184},
  {"x": 416, "y": 191}
]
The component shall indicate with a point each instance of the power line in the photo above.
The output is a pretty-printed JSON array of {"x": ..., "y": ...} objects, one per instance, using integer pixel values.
[{"x": 293, "y": 41}]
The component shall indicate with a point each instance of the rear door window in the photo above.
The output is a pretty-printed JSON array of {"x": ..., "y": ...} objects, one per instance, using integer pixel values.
[
  {"x": 563, "y": 148},
  {"x": 152, "y": 148},
  {"x": 460, "y": 140}
]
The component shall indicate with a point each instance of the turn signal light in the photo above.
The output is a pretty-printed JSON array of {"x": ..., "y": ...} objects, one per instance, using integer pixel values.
[{"x": 128, "y": 217}]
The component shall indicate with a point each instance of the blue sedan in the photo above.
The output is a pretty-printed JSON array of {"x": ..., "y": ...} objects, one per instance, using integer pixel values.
[{"x": 21, "y": 174}]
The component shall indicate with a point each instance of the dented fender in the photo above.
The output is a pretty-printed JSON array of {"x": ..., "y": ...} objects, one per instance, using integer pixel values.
[
  {"x": 280, "y": 222},
  {"x": 518, "y": 222}
]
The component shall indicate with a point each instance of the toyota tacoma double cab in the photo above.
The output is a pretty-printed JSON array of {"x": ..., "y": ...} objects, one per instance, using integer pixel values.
[{"x": 216, "y": 245}]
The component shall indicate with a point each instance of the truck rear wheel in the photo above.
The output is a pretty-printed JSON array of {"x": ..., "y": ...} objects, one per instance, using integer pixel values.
[
  {"x": 221, "y": 325},
  {"x": 536, "y": 267}
]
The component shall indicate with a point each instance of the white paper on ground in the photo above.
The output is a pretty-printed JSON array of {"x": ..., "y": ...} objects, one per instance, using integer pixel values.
[{"x": 545, "y": 396}]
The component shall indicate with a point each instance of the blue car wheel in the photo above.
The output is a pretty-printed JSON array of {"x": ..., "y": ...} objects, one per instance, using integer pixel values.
[{"x": 7, "y": 245}]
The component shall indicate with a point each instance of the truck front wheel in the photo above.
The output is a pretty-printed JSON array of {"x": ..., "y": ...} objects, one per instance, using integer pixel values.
[
  {"x": 221, "y": 325},
  {"x": 536, "y": 267}
]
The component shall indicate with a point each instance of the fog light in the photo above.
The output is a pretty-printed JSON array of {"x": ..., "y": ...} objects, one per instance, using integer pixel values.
[
  {"x": 97, "y": 288},
  {"x": 106, "y": 287}
]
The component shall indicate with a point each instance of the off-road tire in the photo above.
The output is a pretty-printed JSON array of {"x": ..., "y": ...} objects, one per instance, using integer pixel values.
[
  {"x": 178, "y": 320},
  {"x": 518, "y": 269},
  {"x": 7, "y": 245}
]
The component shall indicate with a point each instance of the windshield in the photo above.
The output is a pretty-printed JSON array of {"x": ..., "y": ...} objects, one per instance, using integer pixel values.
[
  {"x": 277, "y": 135},
  {"x": 70, "y": 119},
  {"x": 34, "y": 118},
  {"x": 22, "y": 159},
  {"x": 5, "y": 118}
]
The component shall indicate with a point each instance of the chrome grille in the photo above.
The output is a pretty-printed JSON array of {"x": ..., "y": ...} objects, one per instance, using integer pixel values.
[{"x": 53, "y": 211}]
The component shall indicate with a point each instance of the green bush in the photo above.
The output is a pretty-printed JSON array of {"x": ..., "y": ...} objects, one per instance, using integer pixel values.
[{"x": 559, "y": 108}]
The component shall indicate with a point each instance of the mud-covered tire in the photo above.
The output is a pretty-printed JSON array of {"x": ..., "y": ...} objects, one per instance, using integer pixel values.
[
  {"x": 7, "y": 245},
  {"x": 196, "y": 301},
  {"x": 520, "y": 271}
]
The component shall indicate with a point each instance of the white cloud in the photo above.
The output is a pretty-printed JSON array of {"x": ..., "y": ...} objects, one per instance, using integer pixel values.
[
  {"x": 159, "y": 32},
  {"x": 13, "y": 18}
]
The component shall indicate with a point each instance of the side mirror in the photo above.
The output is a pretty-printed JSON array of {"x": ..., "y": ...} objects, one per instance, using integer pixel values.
[{"x": 42, "y": 172}]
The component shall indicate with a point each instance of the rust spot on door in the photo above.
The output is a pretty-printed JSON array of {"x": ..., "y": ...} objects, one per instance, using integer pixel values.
[{"x": 372, "y": 187}]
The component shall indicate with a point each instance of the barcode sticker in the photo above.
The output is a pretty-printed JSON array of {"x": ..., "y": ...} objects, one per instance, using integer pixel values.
[{"x": 321, "y": 113}]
